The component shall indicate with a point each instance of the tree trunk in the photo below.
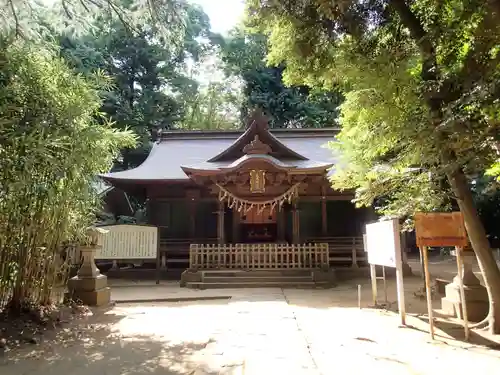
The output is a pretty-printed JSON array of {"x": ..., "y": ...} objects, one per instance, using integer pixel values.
[{"x": 480, "y": 244}]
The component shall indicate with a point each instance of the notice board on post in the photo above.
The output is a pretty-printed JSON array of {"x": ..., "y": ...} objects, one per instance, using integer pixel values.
[
  {"x": 383, "y": 243},
  {"x": 383, "y": 247},
  {"x": 440, "y": 229}
]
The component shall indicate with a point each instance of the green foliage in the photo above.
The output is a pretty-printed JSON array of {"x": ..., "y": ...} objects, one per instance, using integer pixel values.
[
  {"x": 487, "y": 198},
  {"x": 149, "y": 82},
  {"x": 211, "y": 108},
  {"x": 53, "y": 142},
  {"x": 27, "y": 18},
  {"x": 422, "y": 99},
  {"x": 244, "y": 54}
]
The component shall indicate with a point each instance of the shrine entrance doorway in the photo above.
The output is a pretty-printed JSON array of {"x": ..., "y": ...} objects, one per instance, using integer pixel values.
[{"x": 258, "y": 225}]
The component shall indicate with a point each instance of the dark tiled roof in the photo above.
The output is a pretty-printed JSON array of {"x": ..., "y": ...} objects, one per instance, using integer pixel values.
[{"x": 193, "y": 149}]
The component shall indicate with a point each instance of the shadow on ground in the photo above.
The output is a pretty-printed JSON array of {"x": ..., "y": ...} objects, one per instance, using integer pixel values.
[
  {"x": 101, "y": 344},
  {"x": 455, "y": 330}
]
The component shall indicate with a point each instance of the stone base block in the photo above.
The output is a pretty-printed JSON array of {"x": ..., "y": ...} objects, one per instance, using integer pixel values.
[
  {"x": 325, "y": 276},
  {"x": 476, "y": 299},
  {"x": 87, "y": 284},
  {"x": 407, "y": 271},
  {"x": 441, "y": 286},
  {"x": 101, "y": 297},
  {"x": 476, "y": 310},
  {"x": 476, "y": 293},
  {"x": 189, "y": 276}
]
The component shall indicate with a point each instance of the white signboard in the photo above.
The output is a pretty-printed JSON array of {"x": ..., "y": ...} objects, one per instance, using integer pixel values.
[
  {"x": 383, "y": 246},
  {"x": 126, "y": 241},
  {"x": 383, "y": 243}
]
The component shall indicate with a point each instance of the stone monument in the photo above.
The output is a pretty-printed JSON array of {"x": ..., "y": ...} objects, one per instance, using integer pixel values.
[
  {"x": 89, "y": 286},
  {"x": 476, "y": 297}
]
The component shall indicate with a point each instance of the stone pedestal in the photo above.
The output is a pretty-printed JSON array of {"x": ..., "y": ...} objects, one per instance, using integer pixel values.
[
  {"x": 407, "y": 271},
  {"x": 89, "y": 286},
  {"x": 476, "y": 297}
]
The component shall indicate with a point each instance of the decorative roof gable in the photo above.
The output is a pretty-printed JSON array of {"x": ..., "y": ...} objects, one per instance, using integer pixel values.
[{"x": 257, "y": 139}]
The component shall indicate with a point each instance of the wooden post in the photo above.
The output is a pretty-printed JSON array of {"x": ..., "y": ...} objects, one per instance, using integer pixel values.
[
  {"x": 192, "y": 218},
  {"x": 236, "y": 225},
  {"x": 158, "y": 254},
  {"x": 460, "y": 265},
  {"x": 280, "y": 218},
  {"x": 425, "y": 254},
  {"x": 220, "y": 224},
  {"x": 373, "y": 277},
  {"x": 295, "y": 223},
  {"x": 152, "y": 211},
  {"x": 354, "y": 254},
  {"x": 324, "y": 221}
]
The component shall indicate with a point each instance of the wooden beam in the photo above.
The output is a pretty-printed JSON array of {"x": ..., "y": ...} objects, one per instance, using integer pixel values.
[{"x": 304, "y": 198}]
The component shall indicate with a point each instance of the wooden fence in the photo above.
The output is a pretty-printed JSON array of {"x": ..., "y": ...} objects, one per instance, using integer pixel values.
[
  {"x": 344, "y": 249},
  {"x": 258, "y": 256}
]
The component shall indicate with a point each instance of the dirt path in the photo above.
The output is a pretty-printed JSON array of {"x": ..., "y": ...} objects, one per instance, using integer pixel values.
[{"x": 257, "y": 331}]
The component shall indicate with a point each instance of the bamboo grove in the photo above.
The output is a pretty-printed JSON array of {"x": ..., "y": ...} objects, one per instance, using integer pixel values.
[{"x": 52, "y": 144}]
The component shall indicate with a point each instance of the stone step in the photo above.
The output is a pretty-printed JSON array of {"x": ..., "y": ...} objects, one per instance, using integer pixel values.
[
  {"x": 255, "y": 284},
  {"x": 256, "y": 273},
  {"x": 250, "y": 279}
]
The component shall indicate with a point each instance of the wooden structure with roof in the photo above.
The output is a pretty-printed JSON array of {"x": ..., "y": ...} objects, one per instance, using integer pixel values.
[{"x": 256, "y": 187}]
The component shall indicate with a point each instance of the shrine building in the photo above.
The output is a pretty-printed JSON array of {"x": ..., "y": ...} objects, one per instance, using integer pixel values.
[{"x": 257, "y": 198}]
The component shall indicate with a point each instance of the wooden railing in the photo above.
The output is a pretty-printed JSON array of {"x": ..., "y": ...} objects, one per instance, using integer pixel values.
[
  {"x": 258, "y": 256},
  {"x": 176, "y": 250},
  {"x": 344, "y": 249}
]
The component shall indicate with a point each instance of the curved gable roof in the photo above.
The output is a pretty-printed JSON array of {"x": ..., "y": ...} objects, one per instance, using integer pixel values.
[
  {"x": 258, "y": 126},
  {"x": 212, "y": 150}
]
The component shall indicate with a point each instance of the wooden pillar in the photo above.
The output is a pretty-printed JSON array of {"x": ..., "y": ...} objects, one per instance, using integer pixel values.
[
  {"x": 281, "y": 221},
  {"x": 236, "y": 225},
  {"x": 295, "y": 223},
  {"x": 324, "y": 219},
  {"x": 150, "y": 217},
  {"x": 221, "y": 238},
  {"x": 192, "y": 197},
  {"x": 192, "y": 218},
  {"x": 153, "y": 212}
]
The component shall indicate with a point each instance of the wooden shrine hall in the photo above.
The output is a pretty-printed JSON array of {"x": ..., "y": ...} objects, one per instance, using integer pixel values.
[{"x": 253, "y": 200}]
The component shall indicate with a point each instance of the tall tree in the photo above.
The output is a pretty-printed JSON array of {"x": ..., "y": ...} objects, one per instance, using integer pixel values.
[
  {"x": 148, "y": 73},
  {"x": 423, "y": 105},
  {"x": 243, "y": 55}
]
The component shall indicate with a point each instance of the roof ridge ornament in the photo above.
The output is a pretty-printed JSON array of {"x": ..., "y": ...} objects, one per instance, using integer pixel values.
[
  {"x": 258, "y": 120},
  {"x": 257, "y": 147}
]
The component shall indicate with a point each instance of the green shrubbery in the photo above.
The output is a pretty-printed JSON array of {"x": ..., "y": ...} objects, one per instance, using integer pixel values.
[{"x": 53, "y": 142}]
